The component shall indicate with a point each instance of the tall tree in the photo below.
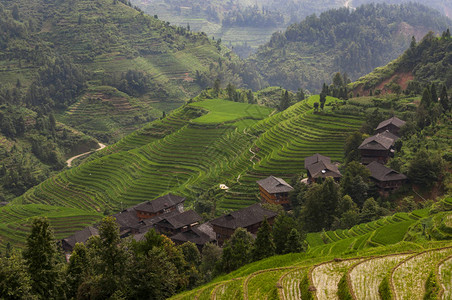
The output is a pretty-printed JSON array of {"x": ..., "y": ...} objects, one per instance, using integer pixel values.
[
  {"x": 320, "y": 206},
  {"x": 444, "y": 99},
  {"x": 285, "y": 101},
  {"x": 281, "y": 230},
  {"x": 294, "y": 242},
  {"x": 426, "y": 99},
  {"x": 237, "y": 251},
  {"x": 40, "y": 255},
  {"x": 78, "y": 270},
  {"x": 352, "y": 142},
  {"x": 264, "y": 245},
  {"x": 15, "y": 283}
]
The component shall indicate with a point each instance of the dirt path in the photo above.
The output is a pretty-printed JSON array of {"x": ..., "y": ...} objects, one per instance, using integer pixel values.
[{"x": 69, "y": 161}]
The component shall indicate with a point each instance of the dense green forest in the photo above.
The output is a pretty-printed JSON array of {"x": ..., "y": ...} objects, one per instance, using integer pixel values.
[{"x": 350, "y": 41}]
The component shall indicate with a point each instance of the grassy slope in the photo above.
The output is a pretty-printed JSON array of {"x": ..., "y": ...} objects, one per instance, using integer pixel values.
[
  {"x": 191, "y": 151},
  {"x": 354, "y": 243}
]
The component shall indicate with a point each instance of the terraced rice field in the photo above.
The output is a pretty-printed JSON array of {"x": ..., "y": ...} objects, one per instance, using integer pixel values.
[
  {"x": 263, "y": 284},
  {"x": 445, "y": 276},
  {"x": 230, "y": 290},
  {"x": 408, "y": 278},
  {"x": 366, "y": 276},
  {"x": 326, "y": 277},
  {"x": 196, "y": 148},
  {"x": 16, "y": 220},
  {"x": 290, "y": 284}
]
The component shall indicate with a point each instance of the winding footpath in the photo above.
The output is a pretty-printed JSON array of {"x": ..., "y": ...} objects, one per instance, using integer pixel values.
[{"x": 69, "y": 161}]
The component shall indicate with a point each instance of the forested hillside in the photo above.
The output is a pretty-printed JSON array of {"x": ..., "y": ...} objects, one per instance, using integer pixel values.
[
  {"x": 105, "y": 67},
  {"x": 349, "y": 41},
  {"x": 421, "y": 64}
]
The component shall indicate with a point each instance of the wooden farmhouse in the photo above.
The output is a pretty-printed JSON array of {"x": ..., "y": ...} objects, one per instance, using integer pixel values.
[
  {"x": 392, "y": 125},
  {"x": 379, "y": 148},
  {"x": 320, "y": 167},
  {"x": 386, "y": 179},
  {"x": 81, "y": 236},
  {"x": 178, "y": 223},
  {"x": 249, "y": 218},
  {"x": 199, "y": 235},
  {"x": 128, "y": 222},
  {"x": 274, "y": 190},
  {"x": 159, "y": 206}
]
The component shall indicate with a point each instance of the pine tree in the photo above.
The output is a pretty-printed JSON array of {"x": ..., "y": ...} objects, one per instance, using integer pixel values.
[
  {"x": 426, "y": 100},
  {"x": 434, "y": 96},
  {"x": 281, "y": 230},
  {"x": 285, "y": 101},
  {"x": 264, "y": 245},
  {"x": 15, "y": 283},
  {"x": 40, "y": 255},
  {"x": 78, "y": 269},
  {"x": 444, "y": 99},
  {"x": 294, "y": 242},
  {"x": 237, "y": 250}
]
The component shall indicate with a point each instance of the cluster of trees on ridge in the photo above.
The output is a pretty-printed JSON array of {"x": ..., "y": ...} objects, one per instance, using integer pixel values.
[
  {"x": 114, "y": 268},
  {"x": 354, "y": 42}
]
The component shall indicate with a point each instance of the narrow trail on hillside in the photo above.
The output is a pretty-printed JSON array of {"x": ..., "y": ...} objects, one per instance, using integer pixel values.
[{"x": 69, "y": 161}]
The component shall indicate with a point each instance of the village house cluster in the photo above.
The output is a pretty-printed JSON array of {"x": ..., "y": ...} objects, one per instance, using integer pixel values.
[{"x": 167, "y": 216}]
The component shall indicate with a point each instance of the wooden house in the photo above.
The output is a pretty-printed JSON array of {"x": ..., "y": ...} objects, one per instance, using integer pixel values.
[
  {"x": 249, "y": 218},
  {"x": 379, "y": 148},
  {"x": 386, "y": 179},
  {"x": 392, "y": 125},
  {"x": 128, "y": 222},
  {"x": 159, "y": 206},
  {"x": 178, "y": 223},
  {"x": 320, "y": 167},
  {"x": 81, "y": 236},
  {"x": 274, "y": 190},
  {"x": 199, "y": 235}
]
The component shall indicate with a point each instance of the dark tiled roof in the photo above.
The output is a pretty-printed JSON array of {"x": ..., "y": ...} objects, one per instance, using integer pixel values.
[
  {"x": 275, "y": 185},
  {"x": 377, "y": 142},
  {"x": 3, "y": 203},
  {"x": 180, "y": 220},
  {"x": 310, "y": 160},
  {"x": 245, "y": 217},
  {"x": 394, "y": 121},
  {"x": 200, "y": 235},
  {"x": 127, "y": 219},
  {"x": 160, "y": 203},
  {"x": 390, "y": 135},
  {"x": 324, "y": 169},
  {"x": 81, "y": 236},
  {"x": 383, "y": 173}
]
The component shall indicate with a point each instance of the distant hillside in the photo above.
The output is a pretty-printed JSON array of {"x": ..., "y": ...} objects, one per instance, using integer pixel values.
[
  {"x": 349, "y": 41},
  {"x": 244, "y": 25},
  {"x": 105, "y": 67},
  {"x": 423, "y": 63}
]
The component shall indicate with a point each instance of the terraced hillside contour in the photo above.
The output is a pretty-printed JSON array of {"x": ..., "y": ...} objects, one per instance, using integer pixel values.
[
  {"x": 196, "y": 148},
  {"x": 317, "y": 273}
]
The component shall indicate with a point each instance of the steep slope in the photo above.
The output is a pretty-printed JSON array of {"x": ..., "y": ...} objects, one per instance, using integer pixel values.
[
  {"x": 347, "y": 41},
  {"x": 428, "y": 61},
  {"x": 195, "y": 149},
  {"x": 112, "y": 49}
]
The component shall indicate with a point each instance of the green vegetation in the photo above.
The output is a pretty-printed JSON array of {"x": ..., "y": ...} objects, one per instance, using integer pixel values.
[
  {"x": 182, "y": 155},
  {"x": 34, "y": 147},
  {"x": 418, "y": 67},
  {"x": 111, "y": 79},
  {"x": 351, "y": 42}
]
